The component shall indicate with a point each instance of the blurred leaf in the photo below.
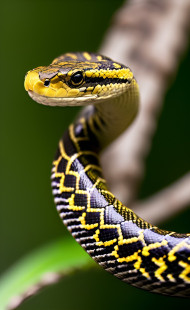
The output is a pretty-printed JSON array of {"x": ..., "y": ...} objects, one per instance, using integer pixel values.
[{"x": 40, "y": 268}]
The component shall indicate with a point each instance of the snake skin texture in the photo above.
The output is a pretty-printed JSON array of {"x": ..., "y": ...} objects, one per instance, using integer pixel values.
[{"x": 113, "y": 235}]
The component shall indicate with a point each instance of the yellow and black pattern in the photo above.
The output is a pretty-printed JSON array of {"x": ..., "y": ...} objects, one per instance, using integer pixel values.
[
  {"x": 112, "y": 234},
  {"x": 120, "y": 241},
  {"x": 68, "y": 77}
]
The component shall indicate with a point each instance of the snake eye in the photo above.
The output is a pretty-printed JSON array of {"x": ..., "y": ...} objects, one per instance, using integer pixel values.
[
  {"x": 77, "y": 78},
  {"x": 46, "y": 83}
]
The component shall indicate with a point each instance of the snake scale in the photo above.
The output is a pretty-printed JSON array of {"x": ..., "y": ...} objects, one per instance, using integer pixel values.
[{"x": 115, "y": 237}]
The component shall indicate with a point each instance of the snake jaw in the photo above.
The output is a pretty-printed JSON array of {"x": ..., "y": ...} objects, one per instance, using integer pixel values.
[{"x": 60, "y": 101}]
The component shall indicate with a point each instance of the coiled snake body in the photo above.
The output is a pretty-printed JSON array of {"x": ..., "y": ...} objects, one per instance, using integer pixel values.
[{"x": 115, "y": 237}]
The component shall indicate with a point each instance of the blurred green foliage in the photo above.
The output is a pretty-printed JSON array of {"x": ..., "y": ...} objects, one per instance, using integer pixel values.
[{"x": 34, "y": 33}]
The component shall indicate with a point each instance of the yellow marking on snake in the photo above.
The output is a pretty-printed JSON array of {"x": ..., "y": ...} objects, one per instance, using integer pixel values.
[
  {"x": 151, "y": 246},
  {"x": 184, "y": 274},
  {"x": 171, "y": 254},
  {"x": 171, "y": 278},
  {"x": 87, "y": 56},
  {"x": 162, "y": 267}
]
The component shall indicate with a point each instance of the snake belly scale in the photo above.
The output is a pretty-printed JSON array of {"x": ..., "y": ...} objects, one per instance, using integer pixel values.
[{"x": 114, "y": 236}]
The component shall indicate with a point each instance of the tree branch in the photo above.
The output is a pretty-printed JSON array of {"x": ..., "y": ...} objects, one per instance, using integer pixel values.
[{"x": 166, "y": 203}]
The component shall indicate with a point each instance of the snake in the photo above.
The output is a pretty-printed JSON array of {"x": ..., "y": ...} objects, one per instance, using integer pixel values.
[{"x": 124, "y": 244}]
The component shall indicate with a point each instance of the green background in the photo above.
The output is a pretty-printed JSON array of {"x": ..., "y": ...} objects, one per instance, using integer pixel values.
[{"x": 33, "y": 33}]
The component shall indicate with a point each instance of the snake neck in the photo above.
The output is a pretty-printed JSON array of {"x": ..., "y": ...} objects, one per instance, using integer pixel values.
[{"x": 109, "y": 118}]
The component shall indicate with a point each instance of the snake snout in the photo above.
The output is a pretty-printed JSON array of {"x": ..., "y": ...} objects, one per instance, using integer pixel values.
[
  {"x": 38, "y": 83},
  {"x": 30, "y": 80}
]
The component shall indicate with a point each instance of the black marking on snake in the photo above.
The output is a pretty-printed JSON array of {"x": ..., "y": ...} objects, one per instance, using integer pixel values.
[{"x": 104, "y": 81}]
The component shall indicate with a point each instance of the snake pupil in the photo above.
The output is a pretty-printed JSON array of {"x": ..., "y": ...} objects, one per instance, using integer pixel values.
[
  {"x": 77, "y": 78},
  {"x": 46, "y": 83}
]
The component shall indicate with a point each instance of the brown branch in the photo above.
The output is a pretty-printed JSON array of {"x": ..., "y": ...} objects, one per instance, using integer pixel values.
[
  {"x": 48, "y": 279},
  {"x": 166, "y": 203},
  {"x": 149, "y": 36}
]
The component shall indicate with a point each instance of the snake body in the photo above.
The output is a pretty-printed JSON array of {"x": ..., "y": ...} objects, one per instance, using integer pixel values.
[{"x": 114, "y": 236}]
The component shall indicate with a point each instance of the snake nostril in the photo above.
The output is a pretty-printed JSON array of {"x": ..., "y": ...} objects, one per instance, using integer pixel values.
[{"x": 46, "y": 83}]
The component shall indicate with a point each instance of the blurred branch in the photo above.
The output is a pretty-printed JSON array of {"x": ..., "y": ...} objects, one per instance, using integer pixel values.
[
  {"x": 149, "y": 36},
  {"x": 166, "y": 203},
  {"x": 41, "y": 268}
]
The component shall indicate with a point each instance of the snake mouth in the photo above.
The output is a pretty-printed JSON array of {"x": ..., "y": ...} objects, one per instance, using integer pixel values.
[{"x": 60, "y": 101}]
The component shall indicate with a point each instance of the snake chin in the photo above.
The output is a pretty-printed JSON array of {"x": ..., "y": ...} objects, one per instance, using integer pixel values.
[
  {"x": 93, "y": 99},
  {"x": 60, "y": 101}
]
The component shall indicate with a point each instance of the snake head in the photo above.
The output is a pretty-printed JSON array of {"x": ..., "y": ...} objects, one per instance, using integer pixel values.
[{"x": 77, "y": 79}]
